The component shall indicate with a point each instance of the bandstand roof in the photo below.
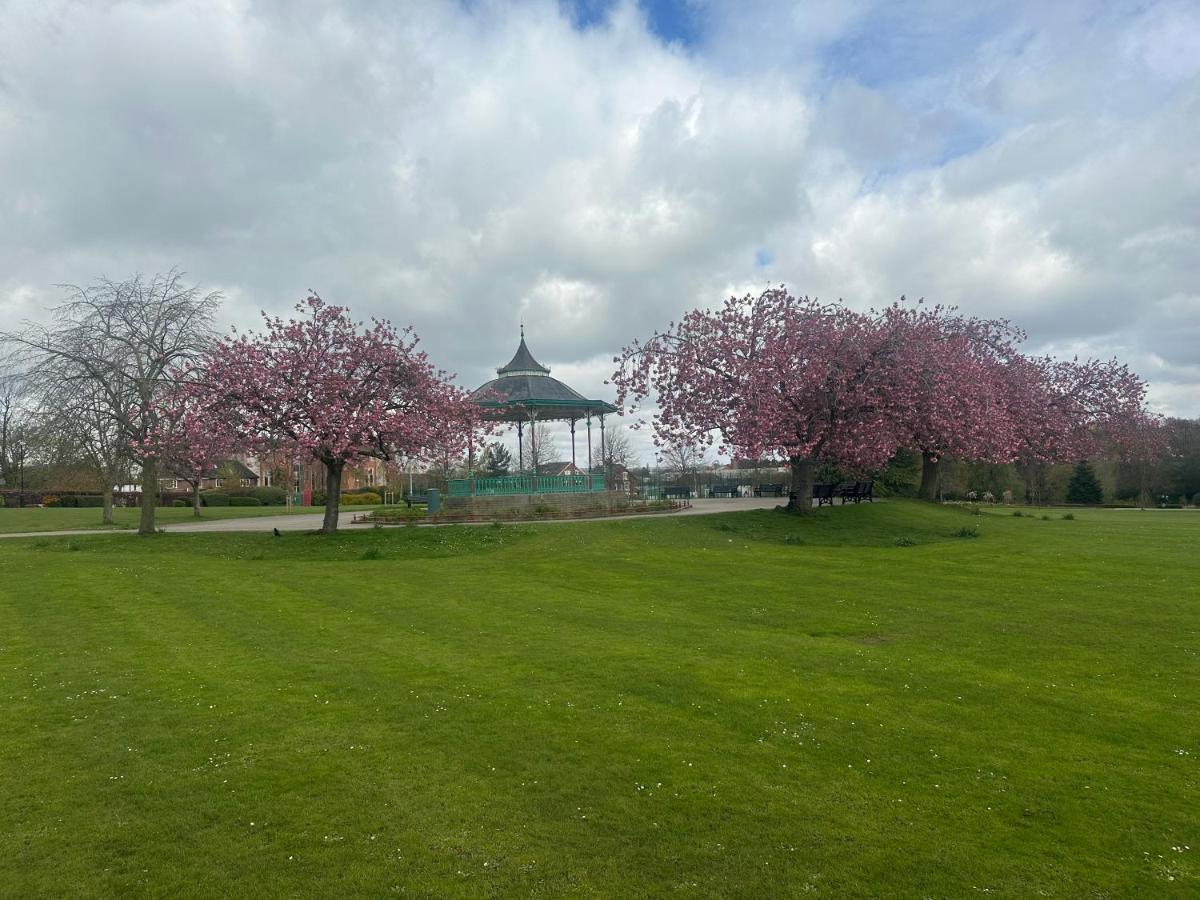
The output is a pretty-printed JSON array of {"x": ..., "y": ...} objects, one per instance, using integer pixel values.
[{"x": 524, "y": 387}]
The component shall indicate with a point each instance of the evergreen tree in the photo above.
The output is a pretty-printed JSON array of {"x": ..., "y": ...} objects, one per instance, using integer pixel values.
[
  {"x": 496, "y": 461},
  {"x": 1084, "y": 487}
]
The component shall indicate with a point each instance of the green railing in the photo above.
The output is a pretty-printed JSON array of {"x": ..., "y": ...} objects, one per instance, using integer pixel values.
[{"x": 508, "y": 485}]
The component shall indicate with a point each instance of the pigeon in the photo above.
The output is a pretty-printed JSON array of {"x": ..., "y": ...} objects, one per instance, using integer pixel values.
[{"x": 277, "y": 534}]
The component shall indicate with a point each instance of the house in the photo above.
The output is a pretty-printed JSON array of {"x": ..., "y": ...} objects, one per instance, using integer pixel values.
[{"x": 560, "y": 468}]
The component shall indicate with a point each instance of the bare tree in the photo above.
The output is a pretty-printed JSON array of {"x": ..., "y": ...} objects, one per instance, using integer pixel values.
[
  {"x": 75, "y": 417},
  {"x": 617, "y": 451},
  {"x": 540, "y": 446},
  {"x": 122, "y": 340},
  {"x": 681, "y": 461},
  {"x": 16, "y": 426}
]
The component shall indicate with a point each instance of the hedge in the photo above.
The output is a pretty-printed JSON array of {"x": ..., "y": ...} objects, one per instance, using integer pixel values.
[
  {"x": 180, "y": 504},
  {"x": 361, "y": 498},
  {"x": 270, "y": 496},
  {"x": 244, "y": 501},
  {"x": 214, "y": 498}
]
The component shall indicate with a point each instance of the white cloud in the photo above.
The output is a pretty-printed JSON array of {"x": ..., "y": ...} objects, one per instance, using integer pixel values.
[{"x": 461, "y": 168}]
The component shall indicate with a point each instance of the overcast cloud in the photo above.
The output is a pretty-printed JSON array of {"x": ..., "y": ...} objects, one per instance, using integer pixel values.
[{"x": 595, "y": 169}]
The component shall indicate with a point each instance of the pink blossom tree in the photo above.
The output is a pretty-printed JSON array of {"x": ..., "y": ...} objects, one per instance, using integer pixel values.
[
  {"x": 776, "y": 375},
  {"x": 337, "y": 392},
  {"x": 959, "y": 401},
  {"x": 193, "y": 434},
  {"x": 1068, "y": 410}
]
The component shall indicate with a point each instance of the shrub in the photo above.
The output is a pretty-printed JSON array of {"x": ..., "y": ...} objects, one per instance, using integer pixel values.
[
  {"x": 180, "y": 504},
  {"x": 967, "y": 532},
  {"x": 214, "y": 498},
  {"x": 244, "y": 501},
  {"x": 270, "y": 496},
  {"x": 361, "y": 498},
  {"x": 1069, "y": 517},
  {"x": 1, "y": 501},
  {"x": 1045, "y": 518},
  {"x": 318, "y": 498},
  {"x": 1017, "y": 514},
  {"x": 89, "y": 501},
  {"x": 49, "y": 501}
]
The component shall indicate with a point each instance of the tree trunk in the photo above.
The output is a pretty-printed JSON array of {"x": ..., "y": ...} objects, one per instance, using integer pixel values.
[
  {"x": 149, "y": 495},
  {"x": 929, "y": 477},
  {"x": 333, "y": 494},
  {"x": 196, "y": 499},
  {"x": 802, "y": 485},
  {"x": 106, "y": 513}
]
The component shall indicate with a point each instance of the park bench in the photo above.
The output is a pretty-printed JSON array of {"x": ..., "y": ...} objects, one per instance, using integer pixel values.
[
  {"x": 769, "y": 490},
  {"x": 823, "y": 494},
  {"x": 676, "y": 492},
  {"x": 411, "y": 500},
  {"x": 723, "y": 490},
  {"x": 856, "y": 491}
]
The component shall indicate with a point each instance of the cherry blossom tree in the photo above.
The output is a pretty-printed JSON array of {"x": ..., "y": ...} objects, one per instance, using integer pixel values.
[
  {"x": 959, "y": 400},
  {"x": 776, "y": 375},
  {"x": 337, "y": 392},
  {"x": 193, "y": 433},
  {"x": 1068, "y": 410}
]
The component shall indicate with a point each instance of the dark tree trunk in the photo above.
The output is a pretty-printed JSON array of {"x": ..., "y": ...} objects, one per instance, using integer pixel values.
[
  {"x": 802, "y": 485},
  {"x": 333, "y": 494},
  {"x": 196, "y": 499},
  {"x": 929, "y": 477},
  {"x": 149, "y": 495},
  {"x": 106, "y": 513}
]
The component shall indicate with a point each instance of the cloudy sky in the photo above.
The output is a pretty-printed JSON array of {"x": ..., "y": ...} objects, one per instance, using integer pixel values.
[{"x": 597, "y": 167}]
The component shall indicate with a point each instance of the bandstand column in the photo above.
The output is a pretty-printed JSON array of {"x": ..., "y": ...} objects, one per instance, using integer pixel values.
[
  {"x": 603, "y": 453},
  {"x": 572, "y": 443},
  {"x": 589, "y": 426},
  {"x": 533, "y": 454}
]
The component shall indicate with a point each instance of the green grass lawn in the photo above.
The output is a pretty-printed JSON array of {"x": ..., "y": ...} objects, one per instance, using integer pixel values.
[
  {"x": 14, "y": 520},
  {"x": 742, "y": 705}
]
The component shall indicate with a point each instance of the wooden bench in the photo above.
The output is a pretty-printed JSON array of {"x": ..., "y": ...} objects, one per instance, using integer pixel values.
[
  {"x": 723, "y": 490},
  {"x": 676, "y": 492},
  {"x": 856, "y": 491},
  {"x": 411, "y": 500},
  {"x": 769, "y": 490}
]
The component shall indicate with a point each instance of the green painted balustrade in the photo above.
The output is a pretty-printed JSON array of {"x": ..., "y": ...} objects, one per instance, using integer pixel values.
[{"x": 508, "y": 485}]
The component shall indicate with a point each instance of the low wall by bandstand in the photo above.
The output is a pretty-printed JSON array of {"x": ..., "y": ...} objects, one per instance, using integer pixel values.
[{"x": 525, "y": 505}]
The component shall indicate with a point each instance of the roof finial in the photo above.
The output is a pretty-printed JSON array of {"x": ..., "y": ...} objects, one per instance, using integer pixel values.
[{"x": 522, "y": 329}]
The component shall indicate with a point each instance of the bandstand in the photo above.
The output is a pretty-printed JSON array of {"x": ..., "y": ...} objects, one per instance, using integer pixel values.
[{"x": 524, "y": 394}]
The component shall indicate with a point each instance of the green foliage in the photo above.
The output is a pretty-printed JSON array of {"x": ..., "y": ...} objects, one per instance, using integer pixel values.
[
  {"x": 214, "y": 498},
  {"x": 1084, "y": 487},
  {"x": 51, "y": 502},
  {"x": 270, "y": 496},
  {"x": 965, "y": 532},
  {"x": 496, "y": 460},
  {"x": 318, "y": 498},
  {"x": 904, "y": 541},
  {"x": 361, "y": 498},
  {"x": 180, "y": 504},
  {"x": 1, "y": 501},
  {"x": 245, "y": 501}
]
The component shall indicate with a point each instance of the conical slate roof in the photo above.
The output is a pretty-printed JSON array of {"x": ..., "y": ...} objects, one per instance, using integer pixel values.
[{"x": 523, "y": 362}]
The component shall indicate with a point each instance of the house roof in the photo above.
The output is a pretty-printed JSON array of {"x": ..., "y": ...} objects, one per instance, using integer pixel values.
[{"x": 240, "y": 469}]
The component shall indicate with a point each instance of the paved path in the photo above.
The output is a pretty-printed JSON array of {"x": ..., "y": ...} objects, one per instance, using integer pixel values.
[{"x": 312, "y": 521}]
